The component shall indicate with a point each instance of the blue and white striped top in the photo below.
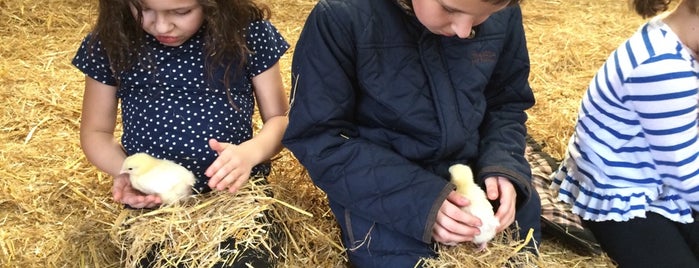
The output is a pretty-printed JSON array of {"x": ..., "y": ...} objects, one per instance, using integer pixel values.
[{"x": 635, "y": 146}]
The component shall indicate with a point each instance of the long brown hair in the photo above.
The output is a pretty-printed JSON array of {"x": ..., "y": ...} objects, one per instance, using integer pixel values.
[{"x": 122, "y": 37}]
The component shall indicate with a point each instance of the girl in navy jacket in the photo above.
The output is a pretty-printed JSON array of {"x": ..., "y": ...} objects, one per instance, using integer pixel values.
[{"x": 390, "y": 93}]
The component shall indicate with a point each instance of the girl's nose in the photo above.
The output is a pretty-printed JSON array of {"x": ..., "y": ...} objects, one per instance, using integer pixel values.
[
  {"x": 463, "y": 29},
  {"x": 162, "y": 24}
]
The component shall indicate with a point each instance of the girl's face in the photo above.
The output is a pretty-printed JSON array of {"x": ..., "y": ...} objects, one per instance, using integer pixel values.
[
  {"x": 172, "y": 22},
  {"x": 453, "y": 17}
]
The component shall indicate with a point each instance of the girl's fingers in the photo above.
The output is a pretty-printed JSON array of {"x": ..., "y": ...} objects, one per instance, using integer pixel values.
[{"x": 238, "y": 184}]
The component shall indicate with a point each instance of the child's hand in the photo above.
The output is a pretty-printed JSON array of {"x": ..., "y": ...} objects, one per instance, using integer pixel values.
[
  {"x": 125, "y": 194},
  {"x": 453, "y": 225},
  {"x": 231, "y": 170},
  {"x": 502, "y": 188}
]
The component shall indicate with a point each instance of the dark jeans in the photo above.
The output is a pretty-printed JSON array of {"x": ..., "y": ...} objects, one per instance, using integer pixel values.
[{"x": 654, "y": 241}]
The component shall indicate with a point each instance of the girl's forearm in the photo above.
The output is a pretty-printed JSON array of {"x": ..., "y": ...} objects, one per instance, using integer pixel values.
[
  {"x": 267, "y": 143},
  {"x": 103, "y": 151}
]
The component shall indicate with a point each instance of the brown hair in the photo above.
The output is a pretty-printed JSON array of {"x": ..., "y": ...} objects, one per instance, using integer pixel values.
[
  {"x": 408, "y": 4},
  {"x": 500, "y": 2},
  {"x": 649, "y": 8},
  {"x": 121, "y": 34}
]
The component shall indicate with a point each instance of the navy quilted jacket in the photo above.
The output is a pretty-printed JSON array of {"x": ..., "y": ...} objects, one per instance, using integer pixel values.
[{"x": 381, "y": 107}]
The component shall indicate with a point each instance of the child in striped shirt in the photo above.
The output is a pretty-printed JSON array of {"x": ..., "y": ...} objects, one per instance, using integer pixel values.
[{"x": 632, "y": 167}]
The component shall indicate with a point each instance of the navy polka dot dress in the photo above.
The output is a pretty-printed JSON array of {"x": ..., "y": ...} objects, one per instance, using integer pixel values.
[{"x": 170, "y": 110}]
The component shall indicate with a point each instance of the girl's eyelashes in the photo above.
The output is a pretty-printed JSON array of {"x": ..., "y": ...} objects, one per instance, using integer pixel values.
[
  {"x": 449, "y": 10},
  {"x": 182, "y": 12},
  {"x": 176, "y": 12}
]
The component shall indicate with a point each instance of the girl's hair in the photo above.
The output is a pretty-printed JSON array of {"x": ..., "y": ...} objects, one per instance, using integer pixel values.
[
  {"x": 649, "y": 8},
  {"x": 122, "y": 36},
  {"x": 408, "y": 4},
  {"x": 500, "y": 2}
]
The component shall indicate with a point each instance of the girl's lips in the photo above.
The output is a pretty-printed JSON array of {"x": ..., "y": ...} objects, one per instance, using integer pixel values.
[{"x": 166, "y": 39}]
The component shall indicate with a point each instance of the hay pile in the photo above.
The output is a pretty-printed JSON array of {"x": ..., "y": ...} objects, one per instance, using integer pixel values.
[
  {"x": 503, "y": 251},
  {"x": 568, "y": 42},
  {"x": 192, "y": 231},
  {"x": 56, "y": 208}
]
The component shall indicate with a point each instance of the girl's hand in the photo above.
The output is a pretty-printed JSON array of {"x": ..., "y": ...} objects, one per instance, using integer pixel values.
[
  {"x": 453, "y": 225},
  {"x": 125, "y": 194},
  {"x": 502, "y": 188},
  {"x": 231, "y": 170}
]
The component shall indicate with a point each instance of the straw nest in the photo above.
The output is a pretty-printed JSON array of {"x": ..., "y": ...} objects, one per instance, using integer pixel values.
[
  {"x": 191, "y": 232},
  {"x": 56, "y": 208}
]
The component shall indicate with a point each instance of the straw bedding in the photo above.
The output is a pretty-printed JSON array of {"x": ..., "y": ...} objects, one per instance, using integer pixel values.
[
  {"x": 192, "y": 231},
  {"x": 56, "y": 208}
]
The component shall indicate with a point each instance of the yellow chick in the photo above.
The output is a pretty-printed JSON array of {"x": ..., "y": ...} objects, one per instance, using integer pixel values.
[
  {"x": 150, "y": 175},
  {"x": 462, "y": 177}
]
